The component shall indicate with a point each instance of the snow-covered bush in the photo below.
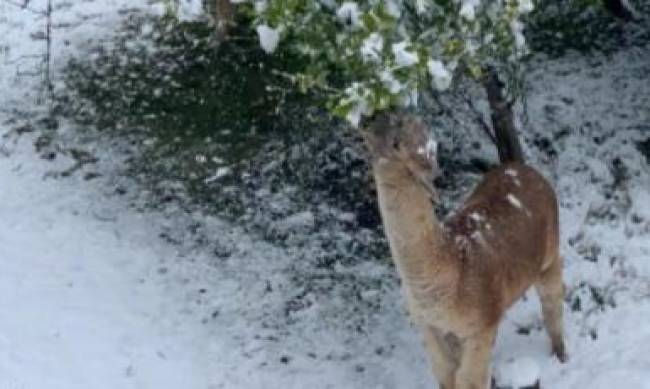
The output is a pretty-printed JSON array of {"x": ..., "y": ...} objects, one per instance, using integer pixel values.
[{"x": 374, "y": 55}]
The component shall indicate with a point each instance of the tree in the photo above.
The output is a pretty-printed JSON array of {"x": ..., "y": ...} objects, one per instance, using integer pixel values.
[
  {"x": 373, "y": 56},
  {"x": 619, "y": 8},
  {"x": 223, "y": 14}
]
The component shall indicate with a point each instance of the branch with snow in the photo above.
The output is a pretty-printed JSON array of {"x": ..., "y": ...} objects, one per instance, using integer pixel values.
[{"x": 377, "y": 52}]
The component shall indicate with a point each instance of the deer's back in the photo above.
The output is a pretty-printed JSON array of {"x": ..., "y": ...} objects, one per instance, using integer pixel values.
[{"x": 504, "y": 236}]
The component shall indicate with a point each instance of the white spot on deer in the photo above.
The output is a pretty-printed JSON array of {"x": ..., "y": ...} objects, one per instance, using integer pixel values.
[
  {"x": 430, "y": 150},
  {"x": 516, "y": 203},
  {"x": 477, "y": 217},
  {"x": 512, "y": 173}
]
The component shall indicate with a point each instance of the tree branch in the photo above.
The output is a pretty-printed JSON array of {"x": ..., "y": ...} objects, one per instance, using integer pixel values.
[
  {"x": 619, "y": 8},
  {"x": 507, "y": 140}
]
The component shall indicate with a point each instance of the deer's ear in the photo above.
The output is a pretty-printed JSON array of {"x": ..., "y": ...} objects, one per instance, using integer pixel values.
[
  {"x": 365, "y": 133},
  {"x": 368, "y": 138}
]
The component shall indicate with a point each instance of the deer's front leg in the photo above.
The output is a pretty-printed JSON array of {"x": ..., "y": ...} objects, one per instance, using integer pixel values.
[
  {"x": 443, "y": 363},
  {"x": 474, "y": 369}
]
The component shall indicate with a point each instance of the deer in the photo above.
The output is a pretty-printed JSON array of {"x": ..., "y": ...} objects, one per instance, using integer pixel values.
[{"x": 460, "y": 275}]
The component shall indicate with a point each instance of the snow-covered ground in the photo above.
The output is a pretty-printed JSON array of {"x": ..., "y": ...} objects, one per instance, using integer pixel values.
[
  {"x": 92, "y": 296},
  {"x": 78, "y": 308}
]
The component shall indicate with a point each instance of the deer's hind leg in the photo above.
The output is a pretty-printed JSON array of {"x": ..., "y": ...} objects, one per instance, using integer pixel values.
[{"x": 550, "y": 288}]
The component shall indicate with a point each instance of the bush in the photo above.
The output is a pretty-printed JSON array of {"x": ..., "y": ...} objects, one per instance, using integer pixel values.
[
  {"x": 558, "y": 26},
  {"x": 178, "y": 85}
]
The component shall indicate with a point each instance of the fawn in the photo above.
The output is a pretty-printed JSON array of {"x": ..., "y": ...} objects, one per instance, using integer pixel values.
[{"x": 459, "y": 276}]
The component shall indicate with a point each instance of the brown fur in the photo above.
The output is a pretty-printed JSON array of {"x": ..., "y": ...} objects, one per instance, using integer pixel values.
[{"x": 460, "y": 276}]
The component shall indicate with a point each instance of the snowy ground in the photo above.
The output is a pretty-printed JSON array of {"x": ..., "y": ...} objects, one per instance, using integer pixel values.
[
  {"x": 92, "y": 297},
  {"x": 78, "y": 307}
]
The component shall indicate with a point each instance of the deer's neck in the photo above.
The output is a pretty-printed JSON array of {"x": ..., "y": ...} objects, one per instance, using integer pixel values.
[{"x": 414, "y": 234}]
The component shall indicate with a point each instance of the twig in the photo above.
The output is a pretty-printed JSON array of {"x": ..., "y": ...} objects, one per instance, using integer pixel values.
[
  {"x": 25, "y": 6},
  {"x": 48, "y": 53},
  {"x": 47, "y": 57}
]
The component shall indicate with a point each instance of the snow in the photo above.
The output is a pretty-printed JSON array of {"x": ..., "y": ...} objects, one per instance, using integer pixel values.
[
  {"x": 260, "y": 6},
  {"x": 269, "y": 38},
  {"x": 78, "y": 307},
  {"x": 440, "y": 75},
  {"x": 404, "y": 57},
  {"x": 349, "y": 13},
  {"x": 298, "y": 222},
  {"x": 526, "y": 6},
  {"x": 517, "y": 28},
  {"x": 93, "y": 296},
  {"x": 468, "y": 9},
  {"x": 390, "y": 82},
  {"x": 371, "y": 47},
  {"x": 421, "y": 6},
  {"x": 393, "y": 8},
  {"x": 220, "y": 173},
  {"x": 517, "y": 373},
  {"x": 359, "y": 105}
]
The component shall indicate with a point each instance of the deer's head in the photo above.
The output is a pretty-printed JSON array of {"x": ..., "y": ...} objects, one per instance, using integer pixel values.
[{"x": 403, "y": 144}]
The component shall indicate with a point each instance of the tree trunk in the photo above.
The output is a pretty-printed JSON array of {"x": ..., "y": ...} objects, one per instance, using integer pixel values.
[
  {"x": 620, "y": 9},
  {"x": 223, "y": 14},
  {"x": 505, "y": 132}
]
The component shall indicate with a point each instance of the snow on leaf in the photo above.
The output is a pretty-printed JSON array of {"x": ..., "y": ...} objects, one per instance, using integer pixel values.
[
  {"x": 371, "y": 47},
  {"x": 440, "y": 75},
  {"x": 421, "y": 6},
  {"x": 526, "y": 6},
  {"x": 404, "y": 57},
  {"x": 468, "y": 9},
  {"x": 393, "y": 8},
  {"x": 269, "y": 38},
  {"x": 349, "y": 13},
  {"x": 518, "y": 33},
  {"x": 260, "y": 6},
  {"x": 390, "y": 82}
]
